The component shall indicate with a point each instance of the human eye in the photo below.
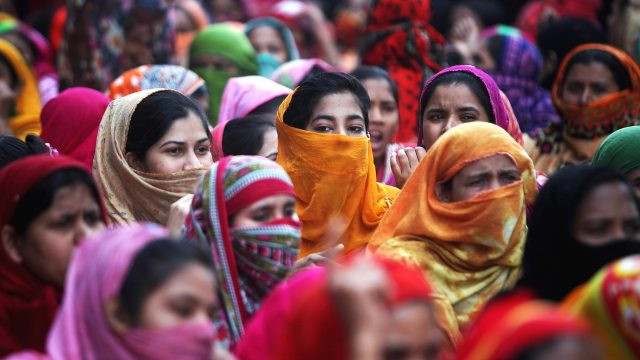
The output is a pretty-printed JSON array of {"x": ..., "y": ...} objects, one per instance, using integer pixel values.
[
  {"x": 323, "y": 129},
  {"x": 356, "y": 129},
  {"x": 388, "y": 107},
  {"x": 203, "y": 149},
  {"x": 174, "y": 150},
  {"x": 468, "y": 117},
  {"x": 435, "y": 117},
  {"x": 599, "y": 89},
  {"x": 510, "y": 177},
  {"x": 632, "y": 227},
  {"x": 184, "y": 309},
  {"x": 261, "y": 215},
  {"x": 92, "y": 217},
  {"x": 476, "y": 181},
  {"x": 290, "y": 209},
  {"x": 574, "y": 87},
  {"x": 62, "y": 222}
]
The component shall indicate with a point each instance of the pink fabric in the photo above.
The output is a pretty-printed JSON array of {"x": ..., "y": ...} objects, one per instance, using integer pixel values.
[
  {"x": 291, "y": 74},
  {"x": 244, "y": 94},
  {"x": 216, "y": 141},
  {"x": 96, "y": 273}
]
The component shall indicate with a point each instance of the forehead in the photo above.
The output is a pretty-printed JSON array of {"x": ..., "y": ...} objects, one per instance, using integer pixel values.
[
  {"x": 379, "y": 87},
  {"x": 498, "y": 162},
  {"x": 455, "y": 94},
  {"x": 339, "y": 103},
  {"x": 591, "y": 72},
  {"x": 264, "y": 32}
]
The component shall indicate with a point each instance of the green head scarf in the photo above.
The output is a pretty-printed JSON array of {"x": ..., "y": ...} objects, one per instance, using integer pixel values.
[
  {"x": 621, "y": 150},
  {"x": 224, "y": 41}
]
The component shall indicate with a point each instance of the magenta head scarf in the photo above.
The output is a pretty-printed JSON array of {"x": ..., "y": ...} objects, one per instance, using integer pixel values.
[
  {"x": 244, "y": 94},
  {"x": 96, "y": 273},
  {"x": 502, "y": 111}
]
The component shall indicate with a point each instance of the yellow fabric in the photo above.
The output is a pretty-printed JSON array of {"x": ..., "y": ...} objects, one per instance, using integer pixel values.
[
  {"x": 471, "y": 249},
  {"x": 333, "y": 177},
  {"x": 132, "y": 195},
  {"x": 571, "y": 151},
  {"x": 27, "y": 106}
]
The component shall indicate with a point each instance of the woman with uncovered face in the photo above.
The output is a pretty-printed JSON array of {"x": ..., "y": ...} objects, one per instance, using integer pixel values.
[
  {"x": 323, "y": 145},
  {"x": 152, "y": 147},
  {"x": 461, "y": 218},
  {"x": 48, "y": 205},
  {"x": 135, "y": 294}
]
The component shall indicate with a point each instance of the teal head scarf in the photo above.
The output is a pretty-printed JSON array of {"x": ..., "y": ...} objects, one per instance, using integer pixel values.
[
  {"x": 226, "y": 42},
  {"x": 621, "y": 150}
]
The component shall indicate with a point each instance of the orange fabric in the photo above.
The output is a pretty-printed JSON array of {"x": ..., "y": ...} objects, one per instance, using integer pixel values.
[
  {"x": 334, "y": 178},
  {"x": 471, "y": 249}
]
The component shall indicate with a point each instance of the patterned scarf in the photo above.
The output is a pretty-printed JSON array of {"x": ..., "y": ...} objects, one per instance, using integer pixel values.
[{"x": 249, "y": 262}]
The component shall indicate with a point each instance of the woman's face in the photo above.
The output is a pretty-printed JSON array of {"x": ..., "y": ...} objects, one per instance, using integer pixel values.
[
  {"x": 270, "y": 145},
  {"x": 607, "y": 214},
  {"x": 449, "y": 106},
  {"x": 383, "y": 116},
  {"x": 266, "y": 39},
  {"x": 187, "y": 297},
  {"x": 413, "y": 334},
  {"x": 482, "y": 175},
  {"x": 586, "y": 83},
  {"x": 214, "y": 62},
  {"x": 185, "y": 146},
  {"x": 269, "y": 209},
  {"x": 634, "y": 179},
  {"x": 48, "y": 244},
  {"x": 338, "y": 114}
]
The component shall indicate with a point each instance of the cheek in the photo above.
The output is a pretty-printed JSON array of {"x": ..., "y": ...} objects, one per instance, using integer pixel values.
[
  {"x": 48, "y": 254},
  {"x": 157, "y": 315},
  {"x": 430, "y": 133},
  {"x": 158, "y": 163}
]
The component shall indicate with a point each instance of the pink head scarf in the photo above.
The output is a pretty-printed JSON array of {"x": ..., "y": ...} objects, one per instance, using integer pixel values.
[
  {"x": 244, "y": 94},
  {"x": 96, "y": 273},
  {"x": 291, "y": 73}
]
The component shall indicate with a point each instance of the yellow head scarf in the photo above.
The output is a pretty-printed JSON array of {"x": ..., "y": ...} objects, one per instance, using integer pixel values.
[
  {"x": 470, "y": 249},
  {"x": 333, "y": 177},
  {"x": 27, "y": 107}
]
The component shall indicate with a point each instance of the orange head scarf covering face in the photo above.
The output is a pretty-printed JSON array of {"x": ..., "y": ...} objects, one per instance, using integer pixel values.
[
  {"x": 469, "y": 249},
  {"x": 334, "y": 178}
]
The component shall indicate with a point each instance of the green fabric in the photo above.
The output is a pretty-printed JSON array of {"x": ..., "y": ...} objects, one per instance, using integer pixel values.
[
  {"x": 224, "y": 41},
  {"x": 7, "y": 25},
  {"x": 621, "y": 150}
]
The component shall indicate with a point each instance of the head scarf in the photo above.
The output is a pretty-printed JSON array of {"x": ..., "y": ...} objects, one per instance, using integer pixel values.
[
  {"x": 199, "y": 18},
  {"x": 515, "y": 323},
  {"x": 286, "y": 328},
  {"x": 25, "y": 117},
  {"x": 27, "y": 304},
  {"x": 70, "y": 122},
  {"x": 517, "y": 73},
  {"x": 611, "y": 302},
  {"x": 343, "y": 188},
  {"x": 97, "y": 271},
  {"x": 500, "y": 105},
  {"x": 292, "y": 73},
  {"x": 266, "y": 61},
  {"x": 244, "y": 94},
  {"x": 147, "y": 77},
  {"x": 584, "y": 127},
  {"x": 551, "y": 240},
  {"x": 250, "y": 261},
  {"x": 133, "y": 195},
  {"x": 620, "y": 150},
  {"x": 399, "y": 38},
  {"x": 471, "y": 249},
  {"x": 224, "y": 41}
]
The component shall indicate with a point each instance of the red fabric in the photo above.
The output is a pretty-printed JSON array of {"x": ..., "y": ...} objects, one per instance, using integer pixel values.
[
  {"x": 537, "y": 12},
  {"x": 515, "y": 323},
  {"x": 399, "y": 38},
  {"x": 27, "y": 306},
  {"x": 70, "y": 122},
  {"x": 256, "y": 192}
]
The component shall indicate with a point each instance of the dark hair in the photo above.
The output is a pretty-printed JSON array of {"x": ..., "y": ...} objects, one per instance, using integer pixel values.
[
  {"x": 587, "y": 57},
  {"x": 152, "y": 266},
  {"x": 363, "y": 73},
  {"x": 315, "y": 70},
  {"x": 311, "y": 91},
  {"x": 40, "y": 196},
  {"x": 495, "y": 45},
  {"x": 245, "y": 136},
  {"x": 155, "y": 115},
  {"x": 12, "y": 72},
  {"x": 460, "y": 77},
  {"x": 536, "y": 351},
  {"x": 12, "y": 148},
  {"x": 270, "y": 107}
]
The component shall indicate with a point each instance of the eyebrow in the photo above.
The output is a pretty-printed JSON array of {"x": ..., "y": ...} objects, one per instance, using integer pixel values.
[
  {"x": 182, "y": 143},
  {"x": 467, "y": 108}
]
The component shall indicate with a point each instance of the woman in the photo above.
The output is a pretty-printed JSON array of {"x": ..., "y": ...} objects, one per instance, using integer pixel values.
[
  {"x": 47, "y": 207},
  {"x": 70, "y": 122},
  {"x": 20, "y": 106},
  {"x": 273, "y": 42},
  {"x": 152, "y": 147},
  {"x": 383, "y": 118},
  {"x": 190, "y": 17},
  {"x": 596, "y": 91},
  {"x": 12, "y": 148},
  {"x": 293, "y": 73},
  {"x": 461, "y": 218},
  {"x": 368, "y": 309},
  {"x": 323, "y": 144},
  {"x": 400, "y": 39},
  {"x": 585, "y": 213},
  {"x": 610, "y": 302},
  {"x": 620, "y": 150},
  {"x": 250, "y": 95},
  {"x": 515, "y": 64},
  {"x": 244, "y": 211},
  {"x": 148, "y": 77},
  {"x": 250, "y": 135},
  {"x": 218, "y": 53},
  {"x": 135, "y": 294}
]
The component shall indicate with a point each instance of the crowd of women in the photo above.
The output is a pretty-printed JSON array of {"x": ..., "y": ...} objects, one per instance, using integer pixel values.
[{"x": 298, "y": 179}]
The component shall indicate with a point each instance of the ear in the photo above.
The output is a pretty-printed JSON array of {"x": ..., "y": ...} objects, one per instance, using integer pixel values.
[
  {"x": 115, "y": 317},
  {"x": 442, "y": 192},
  {"x": 133, "y": 161},
  {"x": 10, "y": 241}
]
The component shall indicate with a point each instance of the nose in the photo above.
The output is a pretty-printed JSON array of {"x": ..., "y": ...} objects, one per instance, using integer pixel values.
[
  {"x": 618, "y": 233},
  {"x": 587, "y": 96},
  {"x": 452, "y": 121},
  {"x": 83, "y": 230},
  {"x": 192, "y": 161},
  {"x": 375, "y": 115},
  {"x": 202, "y": 317}
]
